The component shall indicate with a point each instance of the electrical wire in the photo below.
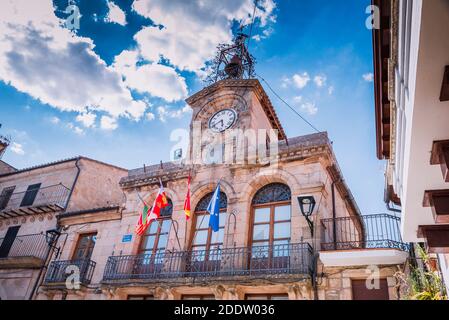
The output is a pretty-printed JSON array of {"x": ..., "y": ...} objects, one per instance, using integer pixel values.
[
  {"x": 251, "y": 25},
  {"x": 285, "y": 102}
]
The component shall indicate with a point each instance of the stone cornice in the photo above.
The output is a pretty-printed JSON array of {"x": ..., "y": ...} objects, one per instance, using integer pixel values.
[{"x": 287, "y": 153}]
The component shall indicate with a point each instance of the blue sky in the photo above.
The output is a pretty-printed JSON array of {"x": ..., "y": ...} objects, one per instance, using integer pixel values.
[{"x": 114, "y": 89}]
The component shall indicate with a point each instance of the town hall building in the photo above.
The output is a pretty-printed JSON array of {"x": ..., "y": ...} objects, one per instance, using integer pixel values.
[{"x": 289, "y": 226}]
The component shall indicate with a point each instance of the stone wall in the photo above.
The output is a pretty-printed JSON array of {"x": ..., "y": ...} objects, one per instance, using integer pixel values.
[
  {"x": 336, "y": 285},
  {"x": 97, "y": 186}
]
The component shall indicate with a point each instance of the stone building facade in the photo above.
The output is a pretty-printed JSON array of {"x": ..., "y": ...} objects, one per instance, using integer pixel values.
[
  {"x": 31, "y": 200},
  {"x": 267, "y": 246}
]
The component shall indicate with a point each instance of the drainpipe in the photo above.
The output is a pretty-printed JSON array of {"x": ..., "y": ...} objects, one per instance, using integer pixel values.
[
  {"x": 48, "y": 255},
  {"x": 334, "y": 216},
  {"x": 74, "y": 182},
  {"x": 51, "y": 246}
]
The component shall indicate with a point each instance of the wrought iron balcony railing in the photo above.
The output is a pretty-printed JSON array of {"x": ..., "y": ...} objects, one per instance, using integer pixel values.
[
  {"x": 80, "y": 270},
  {"x": 33, "y": 245},
  {"x": 42, "y": 200},
  {"x": 363, "y": 232},
  {"x": 264, "y": 261}
]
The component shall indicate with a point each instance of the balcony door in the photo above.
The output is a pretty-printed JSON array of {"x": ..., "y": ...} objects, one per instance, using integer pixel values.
[
  {"x": 85, "y": 246},
  {"x": 83, "y": 252},
  {"x": 206, "y": 245},
  {"x": 5, "y": 196},
  {"x": 30, "y": 195},
  {"x": 154, "y": 242},
  {"x": 271, "y": 227},
  {"x": 8, "y": 241}
]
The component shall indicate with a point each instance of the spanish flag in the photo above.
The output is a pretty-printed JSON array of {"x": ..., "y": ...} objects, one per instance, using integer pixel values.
[
  {"x": 187, "y": 200},
  {"x": 146, "y": 217}
]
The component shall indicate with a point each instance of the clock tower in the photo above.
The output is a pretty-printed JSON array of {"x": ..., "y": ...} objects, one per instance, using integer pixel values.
[{"x": 234, "y": 101}]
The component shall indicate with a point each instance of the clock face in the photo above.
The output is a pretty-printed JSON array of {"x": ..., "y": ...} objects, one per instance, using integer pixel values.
[{"x": 222, "y": 120}]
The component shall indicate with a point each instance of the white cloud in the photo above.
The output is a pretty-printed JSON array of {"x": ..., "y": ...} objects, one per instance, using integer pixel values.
[
  {"x": 75, "y": 129},
  {"x": 17, "y": 148},
  {"x": 108, "y": 123},
  {"x": 285, "y": 82},
  {"x": 155, "y": 79},
  {"x": 301, "y": 80},
  {"x": 55, "y": 120},
  {"x": 368, "y": 77},
  {"x": 297, "y": 99},
  {"x": 305, "y": 106},
  {"x": 309, "y": 107},
  {"x": 115, "y": 14},
  {"x": 164, "y": 112},
  {"x": 192, "y": 29},
  {"x": 330, "y": 90},
  {"x": 320, "y": 81},
  {"x": 150, "y": 116},
  {"x": 87, "y": 119},
  {"x": 257, "y": 37},
  {"x": 31, "y": 36}
]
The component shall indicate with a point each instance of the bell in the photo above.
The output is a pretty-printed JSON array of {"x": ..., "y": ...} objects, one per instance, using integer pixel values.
[{"x": 234, "y": 68}]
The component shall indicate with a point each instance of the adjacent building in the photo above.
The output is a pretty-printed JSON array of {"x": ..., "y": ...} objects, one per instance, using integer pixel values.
[
  {"x": 31, "y": 200},
  {"x": 411, "y": 65}
]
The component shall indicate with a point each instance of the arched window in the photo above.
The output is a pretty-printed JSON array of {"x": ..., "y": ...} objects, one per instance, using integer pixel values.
[
  {"x": 156, "y": 236},
  {"x": 203, "y": 237},
  {"x": 271, "y": 215}
]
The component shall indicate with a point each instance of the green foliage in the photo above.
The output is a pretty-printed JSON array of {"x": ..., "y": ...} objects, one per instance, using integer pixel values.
[{"x": 423, "y": 283}]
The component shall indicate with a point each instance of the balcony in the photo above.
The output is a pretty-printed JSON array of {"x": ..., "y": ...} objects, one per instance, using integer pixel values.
[
  {"x": 26, "y": 251},
  {"x": 289, "y": 260},
  {"x": 58, "y": 271},
  {"x": 376, "y": 238},
  {"x": 41, "y": 200}
]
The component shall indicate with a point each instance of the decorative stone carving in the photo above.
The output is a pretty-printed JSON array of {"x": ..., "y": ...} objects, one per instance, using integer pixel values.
[
  {"x": 161, "y": 293},
  {"x": 219, "y": 292}
]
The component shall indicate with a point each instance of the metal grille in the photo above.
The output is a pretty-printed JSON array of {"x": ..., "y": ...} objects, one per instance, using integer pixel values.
[
  {"x": 168, "y": 210},
  {"x": 246, "y": 261},
  {"x": 204, "y": 202},
  {"x": 52, "y": 198},
  {"x": 273, "y": 192},
  {"x": 362, "y": 232},
  {"x": 58, "y": 271},
  {"x": 33, "y": 245}
]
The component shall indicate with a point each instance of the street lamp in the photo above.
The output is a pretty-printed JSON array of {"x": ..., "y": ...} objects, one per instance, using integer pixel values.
[{"x": 307, "y": 204}]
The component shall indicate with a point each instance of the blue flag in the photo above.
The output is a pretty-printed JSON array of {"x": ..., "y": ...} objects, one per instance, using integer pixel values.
[{"x": 214, "y": 210}]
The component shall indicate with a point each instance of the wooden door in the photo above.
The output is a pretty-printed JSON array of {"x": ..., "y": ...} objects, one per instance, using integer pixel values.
[{"x": 361, "y": 292}]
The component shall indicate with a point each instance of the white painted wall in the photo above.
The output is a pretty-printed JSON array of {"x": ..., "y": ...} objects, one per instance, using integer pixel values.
[{"x": 422, "y": 118}]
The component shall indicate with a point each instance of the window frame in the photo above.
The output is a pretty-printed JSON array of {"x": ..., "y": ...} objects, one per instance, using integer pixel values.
[
  {"x": 90, "y": 247},
  {"x": 160, "y": 222},
  {"x": 157, "y": 236},
  {"x": 272, "y": 206}
]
